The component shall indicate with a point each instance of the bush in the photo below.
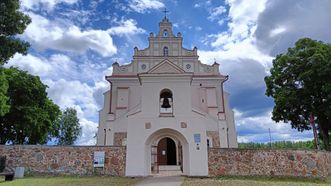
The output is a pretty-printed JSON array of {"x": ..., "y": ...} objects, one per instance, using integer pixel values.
[{"x": 2, "y": 163}]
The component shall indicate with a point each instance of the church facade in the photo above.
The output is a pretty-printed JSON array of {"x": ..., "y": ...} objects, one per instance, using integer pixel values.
[{"x": 167, "y": 108}]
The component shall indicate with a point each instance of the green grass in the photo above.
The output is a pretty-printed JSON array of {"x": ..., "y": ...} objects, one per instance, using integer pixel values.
[
  {"x": 252, "y": 181},
  {"x": 69, "y": 181}
]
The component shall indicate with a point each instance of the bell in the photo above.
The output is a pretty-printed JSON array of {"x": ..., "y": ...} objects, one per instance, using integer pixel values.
[{"x": 165, "y": 103}]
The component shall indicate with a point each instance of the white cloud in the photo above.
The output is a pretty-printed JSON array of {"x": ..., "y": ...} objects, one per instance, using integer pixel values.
[
  {"x": 48, "y": 4},
  {"x": 141, "y": 6},
  {"x": 277, "y": 31},
  {"x": 44, "y": 34},
  {"x": 215, "y": 13},
  {"x": 57, "y": 65},
  {"x": 256, "y": 129},
  {"x": 89, "y": 129},
  {"x": 243, "y": 50},
  {"x": 126, "y": 27}
]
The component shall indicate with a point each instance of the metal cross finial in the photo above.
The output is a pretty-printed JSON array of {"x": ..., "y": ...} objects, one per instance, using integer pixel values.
[{"x": 165, "y": 12}]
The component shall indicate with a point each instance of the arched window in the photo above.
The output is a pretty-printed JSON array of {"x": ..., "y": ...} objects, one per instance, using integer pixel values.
[
  {"x": 165, "y": 51},
  {"x": 166, "y": 102},
  {"x": 165, "y": 33}
]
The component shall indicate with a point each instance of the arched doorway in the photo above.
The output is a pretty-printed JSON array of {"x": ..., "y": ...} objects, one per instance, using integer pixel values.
[
  {"x": 166, "y": 152},
  {"x": 175, "y": 148}
]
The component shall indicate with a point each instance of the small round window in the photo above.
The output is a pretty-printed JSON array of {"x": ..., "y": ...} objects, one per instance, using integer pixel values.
[
  {"x": 143, "y": 66},
  {"x": 188, "y": 66}
]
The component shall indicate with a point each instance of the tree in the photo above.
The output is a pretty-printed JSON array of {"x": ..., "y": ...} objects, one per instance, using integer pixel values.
[
  {"x": 69, "y": 127},
  {"x": 4, "y": 105},
  {"x": 12, "y": 22},
  {"x": 32, "y": 115},
  {"x": 300, "y": 83}
]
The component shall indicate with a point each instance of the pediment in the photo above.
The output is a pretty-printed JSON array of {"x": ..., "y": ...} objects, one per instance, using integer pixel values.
[{"x": 166, "y": 67}]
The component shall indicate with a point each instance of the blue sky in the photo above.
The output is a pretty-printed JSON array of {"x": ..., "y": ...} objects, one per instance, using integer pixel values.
[{"x": 75, "y": 42}]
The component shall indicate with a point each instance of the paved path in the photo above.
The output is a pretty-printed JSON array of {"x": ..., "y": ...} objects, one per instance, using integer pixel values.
[{"x": 161, "y": 181}]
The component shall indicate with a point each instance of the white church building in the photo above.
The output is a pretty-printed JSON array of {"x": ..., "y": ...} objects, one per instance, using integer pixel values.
[{"x": 167, "y": 108}]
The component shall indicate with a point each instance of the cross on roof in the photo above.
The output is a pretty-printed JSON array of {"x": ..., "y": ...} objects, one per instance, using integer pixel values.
[{"x": 165, "y": 12}]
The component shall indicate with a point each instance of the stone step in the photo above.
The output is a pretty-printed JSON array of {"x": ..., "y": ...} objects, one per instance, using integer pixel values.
[{"x": 169, "y": 168}]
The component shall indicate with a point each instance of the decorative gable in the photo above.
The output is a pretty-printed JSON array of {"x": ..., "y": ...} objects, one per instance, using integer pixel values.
[{"x": 166, "y": 67}]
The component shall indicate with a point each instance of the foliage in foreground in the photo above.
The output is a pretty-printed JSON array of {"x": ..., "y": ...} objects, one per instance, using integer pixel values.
[
  {"x": 32, "y": 115},
  {"x": 12, "y": 22},
  {"x": 300, "y": 83}
]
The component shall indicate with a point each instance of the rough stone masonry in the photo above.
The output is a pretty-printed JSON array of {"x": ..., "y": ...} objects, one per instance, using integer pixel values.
[
  {"x": 78, "y": 160},
  {"x": 252, "y": 162},
  {"x": 64, "y": 160}
]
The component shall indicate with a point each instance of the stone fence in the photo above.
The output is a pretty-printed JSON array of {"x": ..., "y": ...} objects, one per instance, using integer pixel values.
[
  {"x": 288, "y": 163},
  {"x": 64, "y": 160},
  {"x": 78, "y": 160}
]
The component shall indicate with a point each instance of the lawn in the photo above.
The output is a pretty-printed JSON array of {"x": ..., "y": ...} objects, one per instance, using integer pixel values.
[
  {"x": 253, "y": 181},
  {"x": 69, "y": 181}
]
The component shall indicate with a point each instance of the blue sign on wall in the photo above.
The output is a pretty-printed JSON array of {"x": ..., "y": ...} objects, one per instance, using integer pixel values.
[{"x": 197, "y": 138}]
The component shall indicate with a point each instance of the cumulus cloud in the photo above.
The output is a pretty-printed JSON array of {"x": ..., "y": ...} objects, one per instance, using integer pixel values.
[
  {"x": 89, "y": 129},
  {"x": 47, "y": 4},
  {"x": 215, "y": 13},
  {"x": 126, "y": 27},
  {"x": 282, "y": 23},
  {"x": 256, "y": 129},
  {"x": 45, "y": 34},
  {"x": 238, "y": 42},
  {"x": 57, "y": 65},
  {"x": 141, "y": 6},
  {"x": 244, "y": 50}
]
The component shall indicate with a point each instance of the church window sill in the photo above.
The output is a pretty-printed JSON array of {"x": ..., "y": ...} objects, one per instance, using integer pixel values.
[{"x": 166, "y": 115}]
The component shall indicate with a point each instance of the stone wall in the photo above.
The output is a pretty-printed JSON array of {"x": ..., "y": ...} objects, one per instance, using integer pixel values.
[
  {"x": 119, "y": 138},
  {"x": 64, "y": 160},
  {"x": 289, "y": 163},
  {"x": 214, "y": 135}
]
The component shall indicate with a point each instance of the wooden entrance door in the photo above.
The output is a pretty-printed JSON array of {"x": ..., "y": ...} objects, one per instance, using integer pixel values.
[{"x": 166, "y": 152}]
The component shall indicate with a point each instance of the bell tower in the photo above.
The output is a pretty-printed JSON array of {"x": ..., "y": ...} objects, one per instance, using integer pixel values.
[{"x": 165, "y": 28}]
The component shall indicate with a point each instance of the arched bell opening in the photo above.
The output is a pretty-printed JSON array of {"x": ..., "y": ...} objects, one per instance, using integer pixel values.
[{"x": 166, "y": 102}]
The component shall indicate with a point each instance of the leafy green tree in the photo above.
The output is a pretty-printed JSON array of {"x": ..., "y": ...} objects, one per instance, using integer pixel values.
[
  {"x": 32, "y": 115},
  {"x": 12, "y": 22},
  {"x": 300, "y": 83},
  {"x": 4, "y": 105},
  {"x": 69, "y": 127}
]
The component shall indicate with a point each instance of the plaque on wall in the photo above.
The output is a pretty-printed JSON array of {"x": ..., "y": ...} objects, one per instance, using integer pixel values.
[{"x": 99, "y": 159}]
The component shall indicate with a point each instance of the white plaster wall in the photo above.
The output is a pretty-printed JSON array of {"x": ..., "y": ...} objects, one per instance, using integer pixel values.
[{"x": 138, "y": 152}]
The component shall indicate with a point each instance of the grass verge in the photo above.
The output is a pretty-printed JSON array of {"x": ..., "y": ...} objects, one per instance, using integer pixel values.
[
  {"x": 69, "y": 181},
  {"x": 254, "y": 180}
]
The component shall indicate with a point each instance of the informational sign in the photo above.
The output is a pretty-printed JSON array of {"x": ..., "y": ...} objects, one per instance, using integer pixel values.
[
  {"x": 197, "y": 138},
  {"x": 99, "y": 159}
]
